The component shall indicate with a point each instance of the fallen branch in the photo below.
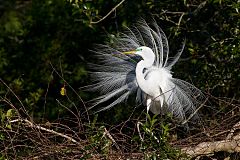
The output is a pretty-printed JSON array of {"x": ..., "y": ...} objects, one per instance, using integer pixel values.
[
  {"x": 231, "y": 144},
  {"x": 234, "y": 128},
  {"x": 30, "y": 124}
]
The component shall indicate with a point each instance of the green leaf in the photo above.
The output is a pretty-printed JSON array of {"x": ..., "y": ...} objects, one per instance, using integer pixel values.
[
  {"x": 10, "y": 113},
  {"x": 9, "y": 126},
  {"x": 2, "y": 137}
]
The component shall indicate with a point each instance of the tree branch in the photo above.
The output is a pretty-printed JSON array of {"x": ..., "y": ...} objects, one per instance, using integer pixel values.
[
  {"x": 230, "y": 144},
  {"x": 113, "y": 9},
  {"x": 30, "y": 124},
  {"x": 207, "y": 148}
]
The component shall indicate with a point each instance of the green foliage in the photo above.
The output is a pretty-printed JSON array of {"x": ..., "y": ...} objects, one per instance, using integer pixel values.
[
  {"x": 33, "y": 37},
  {"x": 86, "y": 11},
  {"x": 222, "y": 50},
  {"x": 155, "y": 140},
  {"x": 2, "y": 157},
  {"x": 100, "y": 142},
  {"x": 5, "y": 120},
  {"x": 98, "y": 138}
]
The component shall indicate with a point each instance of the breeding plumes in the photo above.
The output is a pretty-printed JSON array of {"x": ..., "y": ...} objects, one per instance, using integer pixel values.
[{"x": 138, "y": 63}]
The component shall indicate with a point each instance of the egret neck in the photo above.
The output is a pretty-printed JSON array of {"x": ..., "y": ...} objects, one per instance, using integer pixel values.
[{"x": 148, "y": 59}]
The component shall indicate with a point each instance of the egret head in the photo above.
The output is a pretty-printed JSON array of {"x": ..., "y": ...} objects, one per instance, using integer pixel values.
[
  {"x": 145, "y": 52},
  {"x": 142, "y": 51}
]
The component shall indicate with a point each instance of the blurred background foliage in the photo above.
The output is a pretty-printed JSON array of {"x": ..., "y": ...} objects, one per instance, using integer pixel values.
[{"x": 45, "y": 47}]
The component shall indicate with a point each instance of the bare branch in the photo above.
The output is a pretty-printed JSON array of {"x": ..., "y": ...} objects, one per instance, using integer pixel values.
[
  {"x": 234, "y": 128},
  {"x": 111, "y": 138},
  {"x": 14, "y": 95},
  {"x": 195, "y": 112},
  {"x": 207, "y": 148},
  {"x": 30, "y": 124},
  {"x": 72, "y": 90},
  {"x": 113, "y": 9}
]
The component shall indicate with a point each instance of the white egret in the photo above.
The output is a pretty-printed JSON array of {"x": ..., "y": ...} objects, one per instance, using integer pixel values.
[{"x": 120, "y": 73}]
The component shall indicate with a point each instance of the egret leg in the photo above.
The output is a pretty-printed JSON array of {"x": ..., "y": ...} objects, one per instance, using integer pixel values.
[{"x": 149, "y": 101}]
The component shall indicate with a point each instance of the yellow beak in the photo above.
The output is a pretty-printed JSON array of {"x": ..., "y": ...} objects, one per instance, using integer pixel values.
[{"x": 130, "y": 52}]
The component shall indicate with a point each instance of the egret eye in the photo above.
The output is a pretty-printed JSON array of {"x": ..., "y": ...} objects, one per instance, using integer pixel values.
[{"x": 139, "y": 49}]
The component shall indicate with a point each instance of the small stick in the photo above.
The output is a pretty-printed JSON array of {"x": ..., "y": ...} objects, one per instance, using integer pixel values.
[
  {"x": 30, "y": 124},
  {"x": 139, "y": 123},
  {"x": 110, "y": 137},
  {"x": 108, "y": 13}
]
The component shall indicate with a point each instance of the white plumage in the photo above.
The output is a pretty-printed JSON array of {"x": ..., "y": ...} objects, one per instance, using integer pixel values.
[{"x": 119, "y": 74}]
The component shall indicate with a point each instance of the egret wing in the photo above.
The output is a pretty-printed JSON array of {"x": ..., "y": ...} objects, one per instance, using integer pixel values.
[{"x": 114, "y": 77}]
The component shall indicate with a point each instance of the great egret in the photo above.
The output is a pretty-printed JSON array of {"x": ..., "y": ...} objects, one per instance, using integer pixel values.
[{"x": 120, "y": 73}]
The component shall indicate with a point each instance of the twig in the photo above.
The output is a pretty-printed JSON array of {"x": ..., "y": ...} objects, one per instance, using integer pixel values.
[
  {"x": 14, "y": 95},
  {"x": 170, "y": 12},
  {"x": 138, "y": 128},
  {"x": 30, "y": 124},
  {"x": 113, "y": 9},
  {"x": 72, "y": 90},
  {"x": 190, "y": 117},
  {"x": 45, "y": 96},
  {"x": 179, "y": 21},
  {"x": 147, "y": 130},
  {"x": 200, "y": 6},
  {"x": 77, "y": 116},
  {"x": 110, "y": 137}
]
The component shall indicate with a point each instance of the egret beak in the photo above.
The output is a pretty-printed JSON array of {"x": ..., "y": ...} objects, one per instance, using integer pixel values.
[{"x": 129, "y": 52}]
